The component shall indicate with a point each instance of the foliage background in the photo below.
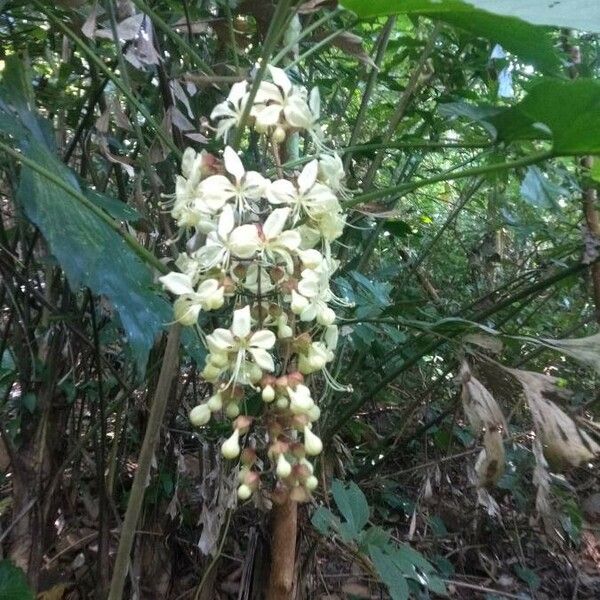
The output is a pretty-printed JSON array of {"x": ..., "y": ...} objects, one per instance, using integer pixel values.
[{"x": 469, "y": 217}]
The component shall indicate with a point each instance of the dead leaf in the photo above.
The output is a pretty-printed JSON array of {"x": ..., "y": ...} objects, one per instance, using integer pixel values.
[
  {"x": 586, "y": 350},
  {"x": 102, "y": 121},
  {"x": 197, "y": 137},
  {"x": 350, "y": 44},
  {"x": 491, "y": 462},
  {"x": 356, "y": 589},
  {"x": 564, "y": 444},
  {"x": 481, "y": 409},
  {"x": 56, "y": 592},
  {"x": 113, "y": 158},
  {"x": 315, "y": 5},
  {"x": 127, "y": 30},
  {"x": 180, "y": 120},
  {"x": 488, "y": 342},
  {"x": 89, "y": 27}
]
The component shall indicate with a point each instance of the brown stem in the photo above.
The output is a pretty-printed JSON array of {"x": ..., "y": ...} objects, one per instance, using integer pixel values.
[
  {"x": 284, "y": 524},
  {"x": 136, "y": 497}
]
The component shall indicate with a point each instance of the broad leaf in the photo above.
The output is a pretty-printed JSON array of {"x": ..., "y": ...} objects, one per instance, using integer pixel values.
[
  {"x": 390, "y": 573},
  {"x": 539, "y": 191},
  {"x": 574, "y": 14},
  {"x": 352, "y": 503},
  {"x": 566, "y": 112},
  {"x": 532, "y": 43},
  {"x": 90, "y": 252},
  {"x": 13, "y": 585}
]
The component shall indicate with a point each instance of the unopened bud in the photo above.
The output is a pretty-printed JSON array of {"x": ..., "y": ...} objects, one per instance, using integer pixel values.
[
  {"x": 268, "y": 393},
  {"x": 232, "y": 410},
  {"x": 244, "y": 492},
  {"x": 284, "y": 468},
  {"x": 231, "y": 446},
  {"x": 215, "y": 402},
  {"x": 278, "y": 135},
  {"x": 312, "y": 443},
  {"x": 199, "y": 415}
]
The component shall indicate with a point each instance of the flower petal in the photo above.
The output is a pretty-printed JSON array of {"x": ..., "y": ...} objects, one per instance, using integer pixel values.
[
  {"x": 262, "y": 339},
  {"x": 275, "y": 222},
  {"x": 244, "y": 241},
  {"x": 307, "y": 178},
  {"x": 281, "y": 191},
  {"x": 226, "y": 221},
  {"x": 220, "y": 340},
  {"x": 177, "y": 283},
  {"x": 233, "y": 164},
  {"x": 289, "y": 239},
  {"x": 262, "y": 358},
  {"x": 281, "y": 79},
  {"x": 241, "y": 322}
]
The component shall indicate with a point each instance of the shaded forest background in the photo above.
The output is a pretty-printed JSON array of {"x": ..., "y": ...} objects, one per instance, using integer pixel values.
[{"x": 462, "y": 464}]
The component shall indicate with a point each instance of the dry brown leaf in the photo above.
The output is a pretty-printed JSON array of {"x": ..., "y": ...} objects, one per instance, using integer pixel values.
[
  {"x": 564, "y": 444},
  {"x": 127, "y": 30},
  {"x": 350, "y": 44},
  {"x": 113, "y": 158},
  {"x": 89, "y": 27},
  {"x": 491, "y": 462},
  {"x": 356, "y": 590},
  {"x": 56, "y": 592},
  {"x": 585, "y": 350},
  {"x": 488, "y": 342},
  {"x": 481, "y": 409}
]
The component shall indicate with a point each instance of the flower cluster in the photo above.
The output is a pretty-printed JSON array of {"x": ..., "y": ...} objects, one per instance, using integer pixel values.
[{"x": 261, "y": 250}]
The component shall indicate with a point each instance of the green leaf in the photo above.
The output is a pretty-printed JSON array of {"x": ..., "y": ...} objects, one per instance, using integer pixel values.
[
  {"x": 92, "y": 254},
  {"x": 573, "y": 14},
  {"x": 528, "y": 576},
  {"x": 389, "y": 573},
  {"x": 566, "y": 112},
  {"x": 531, "y": 42},
  {"x": 13, "y": 585},
  {"x": 539, "y": 191},
  {"x": 352, "y": 503},
  {"x": 324, "y": 521}
]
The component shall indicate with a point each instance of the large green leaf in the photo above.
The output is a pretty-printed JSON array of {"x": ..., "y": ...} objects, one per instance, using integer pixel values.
[
  {"x": 531, "y": 42},
  {"x": 351, "y": 502},
  {"x": 91, "y": 253},
  {"x": 389, "y": 573},
  {"x": 575, "y": 14},
  {"x": 13, "y": 585},
  {"x": 566, "y": 112}
]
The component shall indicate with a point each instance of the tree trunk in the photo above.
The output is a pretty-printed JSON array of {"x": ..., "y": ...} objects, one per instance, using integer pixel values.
[{"x": 284, "y": 522}]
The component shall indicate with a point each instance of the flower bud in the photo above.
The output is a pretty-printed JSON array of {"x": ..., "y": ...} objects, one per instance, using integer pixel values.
[
  {"x": 255, "y": 373},
  {"x": 278, "y": 135},
  {"x": 276, "y": 273},
  {"x": 284, "y": 468},
  {"x": 284, "y": 332},
  {"x": 281, "y": 403},
  {"x": 210, "y": 373},
  {"x": 232, "y": 410},
  {"x": 326, "y": 317},
  {"x": 199, "y": 415},
  {"x": 219, "y": 359},
  {"x": 215, "y": 402},
  {"x": 314, "y": 413},
  {"x": 295, "y": 378},
  {"x": 312, "y": 443},
  {"x": 244, "y": 492},
  {"x": 311, "y": 483},
  {"x": 268, "y": 393},
  {"x": 231, "y": 446},
  {"x": 242, "y": 473}
]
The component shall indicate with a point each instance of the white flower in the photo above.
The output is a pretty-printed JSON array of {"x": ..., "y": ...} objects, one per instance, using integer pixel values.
[
  {"x": 208, "y": 296},
  {"x": 238, "y": 342},
  {"x": 281, "y": 99},
  {"x": 217, "y": 190},
  {"x": 226, "y": 242},
  {"x": 230, "y": 111},
  {"x": 309, "y": 197},
  {"x": 331, "y": 171},
  {"x": 276, "y": 243}
]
